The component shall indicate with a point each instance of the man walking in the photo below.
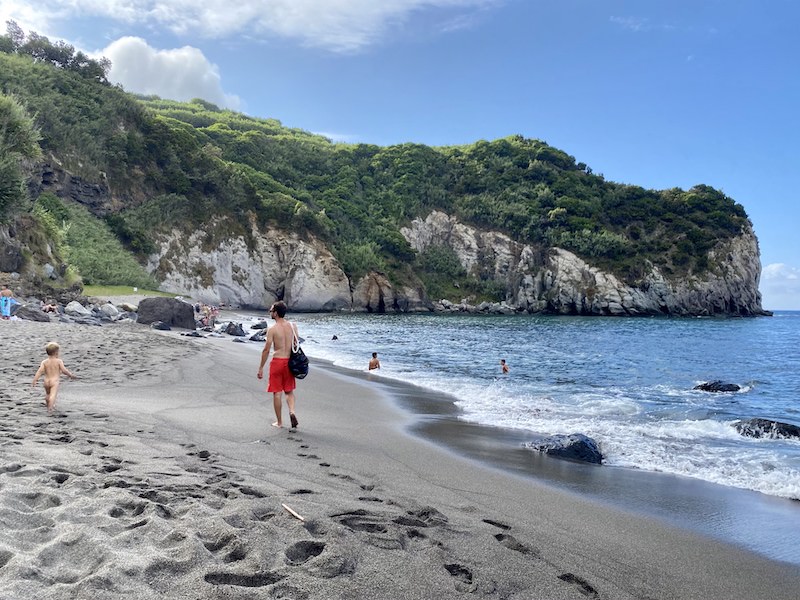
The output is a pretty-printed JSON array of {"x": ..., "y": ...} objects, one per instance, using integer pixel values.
[{"x": 281, "y": 380}]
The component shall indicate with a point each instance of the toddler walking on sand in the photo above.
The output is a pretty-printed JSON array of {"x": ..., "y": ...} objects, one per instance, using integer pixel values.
[{"x": 52, "y": 367}]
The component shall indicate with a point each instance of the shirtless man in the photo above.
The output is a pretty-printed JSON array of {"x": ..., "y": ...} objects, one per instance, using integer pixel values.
[
  {"x": 281, "y": 380},
  {"x": 374, "y": 363},
  {"x": 52, "y": 367}
]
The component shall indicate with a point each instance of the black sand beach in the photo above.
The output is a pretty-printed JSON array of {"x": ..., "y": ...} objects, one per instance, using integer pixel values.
[{"x": 159, "y": 476}]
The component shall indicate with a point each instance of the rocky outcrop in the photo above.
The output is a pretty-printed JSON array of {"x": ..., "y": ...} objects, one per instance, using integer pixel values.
[
  {"x": 32, "y": 313},
  {"x": 766, "y": 428},
  {"x": 169, "y": 311},
  {"x": 717, "y": 386},
  {"x": 51, "y": 177},
  {"x": 559, "y": 282},
  {"x": 11, "y": 257},
  {"x": 571, "y": 447},
  {"x": 374, "y": 293},
  {"x": 276, "y": 265}
]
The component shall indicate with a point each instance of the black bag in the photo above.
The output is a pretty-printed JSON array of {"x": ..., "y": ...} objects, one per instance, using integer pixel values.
[{"x": 298, "y": 362}]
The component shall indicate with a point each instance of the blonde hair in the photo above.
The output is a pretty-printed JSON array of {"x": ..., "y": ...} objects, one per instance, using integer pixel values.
[{"x": 51, "y": 348}]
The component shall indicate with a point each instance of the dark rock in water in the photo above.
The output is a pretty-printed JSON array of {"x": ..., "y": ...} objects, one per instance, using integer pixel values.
[
  {"x": 765, "y": 428},
  {"x": 235, "y": 329},
  {"x": 160, "y": 325},
  {"x": 193, "y": 334},
  {"x": 30, "y": 313},
  {"x": 171, "y": 311},
  {"x": 261, "y": 336},
  {"x": 240, "y": 340},
  {"x": 260, "y": 325},
  {"x": 573, "y": 447},
  {"x": 717, "y": 386}
]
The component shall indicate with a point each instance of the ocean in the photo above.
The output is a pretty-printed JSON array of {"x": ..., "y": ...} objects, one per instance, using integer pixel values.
[{"x": 626, "y": 382}]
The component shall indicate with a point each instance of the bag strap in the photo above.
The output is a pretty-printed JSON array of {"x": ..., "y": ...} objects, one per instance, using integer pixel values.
[{"x": 295, "y": 338}]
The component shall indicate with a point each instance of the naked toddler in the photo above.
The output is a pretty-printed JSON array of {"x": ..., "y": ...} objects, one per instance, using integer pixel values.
[{"x": 52, "y": 367}]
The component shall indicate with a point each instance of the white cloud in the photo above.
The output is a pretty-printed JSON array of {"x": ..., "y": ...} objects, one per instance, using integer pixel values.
[
  {"x": 338, "y": 25},
  {"x": 780, "y": 287},
  {"x": 632, "y": 23},
  {"x": 178, "y": 74}
]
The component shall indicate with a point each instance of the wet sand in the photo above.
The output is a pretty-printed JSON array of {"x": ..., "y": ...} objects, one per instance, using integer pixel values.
[{"x": 160, "y": 476}]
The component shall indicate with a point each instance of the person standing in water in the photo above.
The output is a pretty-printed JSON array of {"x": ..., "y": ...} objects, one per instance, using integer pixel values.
[
  {"x": 374, "y": 363},
  {"x": 504, "y": 366},
  {"x": 281, "y": 380}
]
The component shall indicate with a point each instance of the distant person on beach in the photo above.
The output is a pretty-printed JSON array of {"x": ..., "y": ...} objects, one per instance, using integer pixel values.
[
  {"x": 374, "y": 363},
  {"x": 281, "y": 380},
  {"x": 48, "y": 306},
  {"x": 52, "y": 367},
  {"x": 6, "y": 301},
  {"x": 503, "y": 366}
]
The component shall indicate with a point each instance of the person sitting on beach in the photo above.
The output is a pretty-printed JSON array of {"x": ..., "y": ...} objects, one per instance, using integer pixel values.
[
  {"x": 374, "y": 363},
  {"x": 52, "y": 367},
  {"x": 49, "y": 307},
  {"x": 503, "y": 365},
  {"x": 281, "y": 380}
]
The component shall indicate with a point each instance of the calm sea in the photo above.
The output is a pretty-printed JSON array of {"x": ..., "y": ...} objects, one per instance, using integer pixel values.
[{"x": 626, "y": 382}]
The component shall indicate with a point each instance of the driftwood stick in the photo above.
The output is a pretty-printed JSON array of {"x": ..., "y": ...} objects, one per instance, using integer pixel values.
[{"x": 293, "y": 513}]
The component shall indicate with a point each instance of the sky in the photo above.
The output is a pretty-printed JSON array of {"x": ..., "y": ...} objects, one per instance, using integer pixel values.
[{"x": 655, "y": 93}]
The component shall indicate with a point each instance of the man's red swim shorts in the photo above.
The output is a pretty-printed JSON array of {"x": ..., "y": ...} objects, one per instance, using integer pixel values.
[{"x": 280, "y": 379}]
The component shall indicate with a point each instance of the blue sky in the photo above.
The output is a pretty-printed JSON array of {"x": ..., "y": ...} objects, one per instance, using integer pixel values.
[{"x": 660, "y": 94}]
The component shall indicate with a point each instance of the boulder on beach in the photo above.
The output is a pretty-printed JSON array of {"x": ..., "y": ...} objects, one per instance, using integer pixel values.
[
  {"x": 76, "y": 309},
  {"x": 766, "y": 428},
  {"x": 575, "y": 446},
  {"x": 109, "y": 311},
  {"x": 717, "y": 386},
  {"x": 171, "y": 311},
  {"x": 160, "y": 325},
  {"x": 235, "y": 329},
  {"x": 32, "y": 313}
]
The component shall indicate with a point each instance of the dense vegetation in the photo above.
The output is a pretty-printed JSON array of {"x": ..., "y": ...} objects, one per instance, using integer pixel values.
[{"x": 177, "y": 163}]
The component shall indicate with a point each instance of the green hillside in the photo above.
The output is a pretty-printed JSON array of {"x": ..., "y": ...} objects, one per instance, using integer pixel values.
[{"x": 181, "y": 164}]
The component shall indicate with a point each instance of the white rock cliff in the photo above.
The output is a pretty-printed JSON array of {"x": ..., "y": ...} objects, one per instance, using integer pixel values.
[
  {"x": 563, "y": 283},
  {"x": 304, "y": 273}
]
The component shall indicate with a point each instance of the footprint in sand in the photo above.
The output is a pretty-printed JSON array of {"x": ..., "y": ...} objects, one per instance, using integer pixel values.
[
  {"x": 583, "y": 586},
  {"x": 302, "y": 552},
  {"x": 463, "y": 578},
  {"x": 255, "y": 580},
  {"x": 512, "y": 543}
]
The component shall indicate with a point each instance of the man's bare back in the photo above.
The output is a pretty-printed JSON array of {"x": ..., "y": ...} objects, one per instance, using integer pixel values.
[{"x": 280, "y": 337}]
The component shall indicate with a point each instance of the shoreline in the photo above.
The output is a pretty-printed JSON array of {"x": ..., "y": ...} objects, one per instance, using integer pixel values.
[
  {"x": 745, "y": 518},
  {"x": 160, "y": 475}
]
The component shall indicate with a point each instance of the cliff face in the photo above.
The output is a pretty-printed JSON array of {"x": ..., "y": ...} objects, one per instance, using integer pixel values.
[
  {"x": 279, "y": 265},
  {"x": 562, "y": 283},
  {"x": 305, "y": 274}
]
